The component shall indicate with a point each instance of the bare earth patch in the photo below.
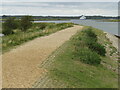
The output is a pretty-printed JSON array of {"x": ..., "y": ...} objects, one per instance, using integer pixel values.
[{"x": 20, "y": 66}]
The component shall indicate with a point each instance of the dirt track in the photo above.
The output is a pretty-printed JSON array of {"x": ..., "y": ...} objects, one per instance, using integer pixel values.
[{"x": 20, "y": 66}]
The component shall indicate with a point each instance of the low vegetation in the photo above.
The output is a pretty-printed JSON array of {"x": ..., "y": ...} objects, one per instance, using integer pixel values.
[
  {"x": 11, "y": 23},
  {"x": 87, "y": 48},
  {"x": 50, "y": 19},
  {"x": 26, "y": 23},
  {"x": 36, "y": 30},
  {"x": 0, "y": 27},
  {"x": 76, "y": 65},
  {"x": 85, "y": 55},
  {"x": 111, "y": 20}
]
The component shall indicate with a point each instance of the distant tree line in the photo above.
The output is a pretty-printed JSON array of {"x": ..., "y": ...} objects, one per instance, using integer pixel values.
[
  {"x": 101, "y": 17},
  {"x": 12, "y": 23},
  {"x": 65, "y": 17}
]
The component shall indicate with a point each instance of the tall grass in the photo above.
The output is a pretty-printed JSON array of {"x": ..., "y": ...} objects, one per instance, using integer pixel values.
[
  {"x": 37, "y": 30},
  {"x": 85, "y": 55},
  {"x": 0, "y": 27}
]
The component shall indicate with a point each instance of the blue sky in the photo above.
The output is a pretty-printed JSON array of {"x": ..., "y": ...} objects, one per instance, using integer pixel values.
[{"x": 10, "y": 7}]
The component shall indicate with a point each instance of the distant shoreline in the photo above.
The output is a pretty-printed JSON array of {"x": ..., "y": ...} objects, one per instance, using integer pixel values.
[{"x": 108, "y": 20}]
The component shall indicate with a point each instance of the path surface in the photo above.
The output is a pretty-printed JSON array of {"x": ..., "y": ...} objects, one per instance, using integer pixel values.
[{"x": 20, "y": 66}]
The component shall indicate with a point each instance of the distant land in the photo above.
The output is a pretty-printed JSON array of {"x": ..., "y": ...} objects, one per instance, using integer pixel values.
[{"x": 61, "y": 17}]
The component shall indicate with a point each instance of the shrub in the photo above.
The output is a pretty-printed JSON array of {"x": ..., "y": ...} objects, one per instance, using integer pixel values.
[
  {"x": 25, "y": 23},
  {"x": 90, "y": 38},
  {"x": 97, "y": 48},
  {"x": 89, "y": 33},
  {"x": 43, "y": 25},
  {"x": 9, "y": 25},
  {"x": 64, "y": 25},
  {"x": 87, "y": 49},
  {"x": 60, "y": 24},
  {"x": 87, "y": 56}
]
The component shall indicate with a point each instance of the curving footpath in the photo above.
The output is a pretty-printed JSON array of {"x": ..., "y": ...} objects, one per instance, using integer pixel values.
[{"x": 20, "y": 66}]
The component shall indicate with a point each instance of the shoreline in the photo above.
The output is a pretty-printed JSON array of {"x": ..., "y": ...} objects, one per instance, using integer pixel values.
[
  {"x": 117, "y": 36},
  {"x": 114, "y": 39}
]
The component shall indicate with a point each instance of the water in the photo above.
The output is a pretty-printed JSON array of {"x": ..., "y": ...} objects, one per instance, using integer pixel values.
[{"x": 111, "y": 27}]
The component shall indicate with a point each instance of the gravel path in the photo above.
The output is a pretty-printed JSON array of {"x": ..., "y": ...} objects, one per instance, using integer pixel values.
[{"x": 20, "y": 66}]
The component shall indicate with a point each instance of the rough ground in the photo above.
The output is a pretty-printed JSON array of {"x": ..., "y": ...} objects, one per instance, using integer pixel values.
[
  {"x": 115, "y": 41},
  {"x": 20, "y": 66}
]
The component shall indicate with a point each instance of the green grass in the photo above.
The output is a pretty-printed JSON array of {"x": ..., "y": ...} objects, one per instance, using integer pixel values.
[
  {"x": 87, "y": 48},
  {"x": 110, "y": 20},
  {"x": 113, "y": 20},
  {"x": 50, "y": 19},
  {"x": 19, "y": 37},
  {"x": 0, "y": 27},
  {"x": 75, "y": 74}
]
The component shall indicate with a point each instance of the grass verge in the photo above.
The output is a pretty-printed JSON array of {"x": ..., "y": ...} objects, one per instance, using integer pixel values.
[{"x": 69, "y": 72}]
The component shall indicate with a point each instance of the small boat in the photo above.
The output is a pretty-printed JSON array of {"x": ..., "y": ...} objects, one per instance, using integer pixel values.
[{"x": 82, "y": 17}]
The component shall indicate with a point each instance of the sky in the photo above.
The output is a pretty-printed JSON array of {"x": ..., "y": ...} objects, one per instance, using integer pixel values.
[
  {"x": 60, "y": 0},
  {"x": 52, "y": 8}
]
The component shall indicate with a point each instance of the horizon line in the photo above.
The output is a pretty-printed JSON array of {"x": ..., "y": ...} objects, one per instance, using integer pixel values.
[{"x": 60, "y": 15}]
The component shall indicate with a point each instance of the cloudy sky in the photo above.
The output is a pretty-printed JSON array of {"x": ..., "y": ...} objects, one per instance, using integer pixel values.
[
  {"x": 60, "y": 0},
  {"x": 58, "y": 8}
]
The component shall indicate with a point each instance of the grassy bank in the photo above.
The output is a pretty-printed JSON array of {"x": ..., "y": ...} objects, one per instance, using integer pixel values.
[
  {"x": 37, "y": 30},
  {"x": 52, "y": 19},
  {"x": 0, "y": 27},
  {"x": 68, "y": 69},
  {"x": 110, "y": 20}
]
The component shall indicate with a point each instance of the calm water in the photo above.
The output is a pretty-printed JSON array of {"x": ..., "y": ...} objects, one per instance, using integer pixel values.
[{"x": 111, "y": 27}]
